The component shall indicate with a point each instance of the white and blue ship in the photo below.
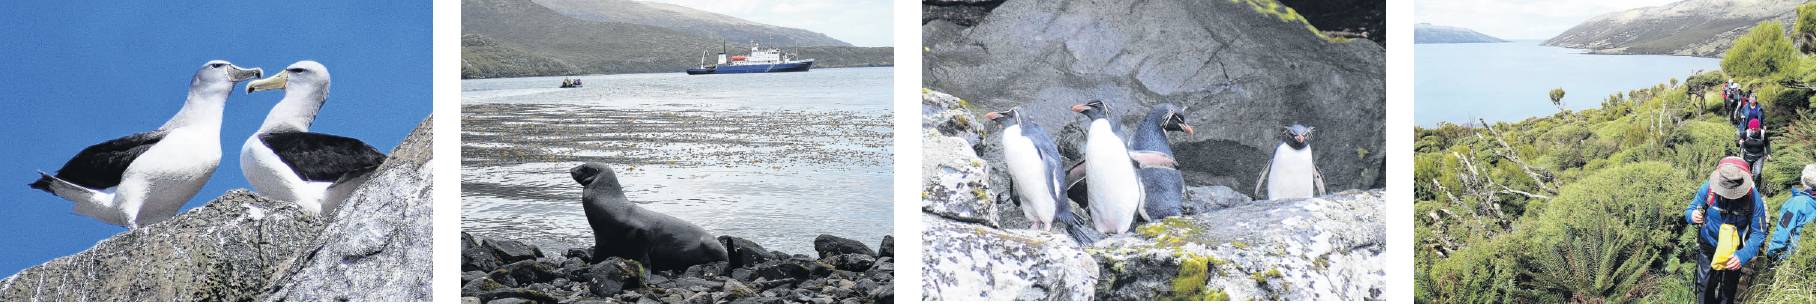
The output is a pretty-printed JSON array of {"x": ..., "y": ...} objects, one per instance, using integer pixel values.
[{"x": 760, "y": 61}]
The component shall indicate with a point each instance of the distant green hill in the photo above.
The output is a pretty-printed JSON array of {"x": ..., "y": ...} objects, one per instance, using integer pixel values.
[{"x": 516, "y": 38}]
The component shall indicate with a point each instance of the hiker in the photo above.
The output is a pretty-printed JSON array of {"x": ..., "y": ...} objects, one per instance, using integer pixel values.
[
  {"x": 1755, "y": 146},
  {"x": 1793, "y": 215},
  {"x": 1727, "y": 200},
  {"x": 1749, "y": 109}
]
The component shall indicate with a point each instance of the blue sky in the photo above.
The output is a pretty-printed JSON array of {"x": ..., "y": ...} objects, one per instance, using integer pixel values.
[{"x": 76, "y": 73}]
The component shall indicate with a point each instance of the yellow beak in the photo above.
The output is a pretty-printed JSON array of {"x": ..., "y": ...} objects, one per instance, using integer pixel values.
[{"x": 275, "y": 82}]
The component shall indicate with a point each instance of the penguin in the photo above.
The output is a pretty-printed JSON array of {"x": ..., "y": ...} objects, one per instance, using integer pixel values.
[
  {"x": 1162, "y": 185},
  {"x": 1033, "y": 162},
  {"x": 142, "y": 179},
  {"x": 284, "y": 161},
  {"x": 1114, "y": 192},
  {"x": 1292, "y": 173}
]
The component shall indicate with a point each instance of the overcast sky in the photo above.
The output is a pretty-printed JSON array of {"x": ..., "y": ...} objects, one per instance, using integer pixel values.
[
  {"x": 1519, "y": 19},
  {"x": 859, "y": 22}
]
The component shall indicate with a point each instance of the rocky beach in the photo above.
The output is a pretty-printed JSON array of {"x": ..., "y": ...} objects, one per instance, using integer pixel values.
[{"x": 496, "y": 271}]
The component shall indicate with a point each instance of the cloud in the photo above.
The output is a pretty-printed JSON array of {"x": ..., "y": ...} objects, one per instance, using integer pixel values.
[
  {"x": 859, "y": 22},
  {"x": 1519, "y": 19}
]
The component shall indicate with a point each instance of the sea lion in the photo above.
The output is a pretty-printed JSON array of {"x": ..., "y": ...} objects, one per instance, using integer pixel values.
[{"x": 622, "y": 229}]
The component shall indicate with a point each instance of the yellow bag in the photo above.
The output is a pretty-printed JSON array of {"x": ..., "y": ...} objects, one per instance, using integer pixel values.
[{"x": 1726, "y": 242}]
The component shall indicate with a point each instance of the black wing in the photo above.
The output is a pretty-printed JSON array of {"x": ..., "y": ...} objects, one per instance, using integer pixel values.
[
  {"x": 318, "y": 157},
  {"x": 101, "y": 165}
]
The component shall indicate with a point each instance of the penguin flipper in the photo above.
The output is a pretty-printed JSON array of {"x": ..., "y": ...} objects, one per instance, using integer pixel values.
[
  {"x": 1152, "y": 159},
  {"x": 1075, "y": 184},
  {"x": 1318, "y": 182},
  {"x": 1259, "y": 180}
]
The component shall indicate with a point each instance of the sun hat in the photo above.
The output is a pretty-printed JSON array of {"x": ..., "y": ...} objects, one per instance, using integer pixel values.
[
  {"x": 1731, "y": 179},
  {"x": 1809, "y": 176}
]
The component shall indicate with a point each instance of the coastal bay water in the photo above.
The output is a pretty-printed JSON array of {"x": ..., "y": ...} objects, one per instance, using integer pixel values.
[
  {"x": 775, "y": 158},
  {"x": 1459, "y": 83}
]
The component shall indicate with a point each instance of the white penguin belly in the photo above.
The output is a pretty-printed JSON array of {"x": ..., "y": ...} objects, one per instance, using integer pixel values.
[
  {"x": 273, "y": 179},
  {"x": 1029, "y": 175},
  {"x": 1291, "y": 173},
  {"x": 168, "y": 174},
  {"x": 1111, "y": 180}
]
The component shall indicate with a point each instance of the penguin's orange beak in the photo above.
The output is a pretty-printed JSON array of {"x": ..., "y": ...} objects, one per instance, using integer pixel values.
[
  {"x": 1187, "y": 128},
  {"x": 992, "y": 116},
  {"x": 1079, "y": 108}
]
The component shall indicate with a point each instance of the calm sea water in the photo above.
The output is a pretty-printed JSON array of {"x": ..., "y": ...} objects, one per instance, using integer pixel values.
[
  {"x": 1509, "y": 81},
  {"x": 775, "y": 158}
]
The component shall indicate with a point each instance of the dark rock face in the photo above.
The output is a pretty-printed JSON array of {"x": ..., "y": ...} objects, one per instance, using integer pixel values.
[
  {"x": 1241, "y": 76},
  {"x": 763, "y": 277},
  {"x": 1368, "y": 18},
  {"x": 828, "y": 245},
  {"x": 226, "y": 250},
  {"x": 377, "y": 248}
]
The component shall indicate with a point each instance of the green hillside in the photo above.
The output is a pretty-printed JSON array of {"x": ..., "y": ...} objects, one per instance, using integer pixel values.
[{"x": 1587, "y": 206}]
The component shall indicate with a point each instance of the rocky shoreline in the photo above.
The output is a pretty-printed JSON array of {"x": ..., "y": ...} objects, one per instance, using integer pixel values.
[{"x": 843, "y": 271}]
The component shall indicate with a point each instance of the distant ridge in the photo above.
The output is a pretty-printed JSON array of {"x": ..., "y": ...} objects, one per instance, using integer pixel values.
[
  {"x": 1428, "y": 33},
  {"x": 1703, "y": 28},
  {"x": 520, "y": 38}
]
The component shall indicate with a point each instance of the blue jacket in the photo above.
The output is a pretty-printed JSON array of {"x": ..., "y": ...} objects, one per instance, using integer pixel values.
[
  {"x": 1753, "y": 227},
  {"x": 1792, "y": 216}
]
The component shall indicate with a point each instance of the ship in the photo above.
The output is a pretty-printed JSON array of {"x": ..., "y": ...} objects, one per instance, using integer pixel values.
[{"x": 760, "y": 61}]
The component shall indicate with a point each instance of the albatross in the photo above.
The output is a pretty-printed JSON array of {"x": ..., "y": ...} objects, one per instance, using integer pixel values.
[
  {"x": 284, "y": 161},
  {"x": 142, "y": 179}
]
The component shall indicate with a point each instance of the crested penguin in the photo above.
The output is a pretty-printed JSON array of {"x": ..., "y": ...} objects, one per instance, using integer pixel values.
[
  {"x": 152, "y": 174},
  {"x": 1034, "y": 167},
  {"x": 1114, "y": 193},
  {"x": 1292, "y": 173},
  {"x": 1162, "y": 184},
  {"x": 284, "y": 161}
]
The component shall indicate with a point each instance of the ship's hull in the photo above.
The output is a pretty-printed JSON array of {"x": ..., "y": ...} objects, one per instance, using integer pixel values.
[{"x": 800, "y": 66}]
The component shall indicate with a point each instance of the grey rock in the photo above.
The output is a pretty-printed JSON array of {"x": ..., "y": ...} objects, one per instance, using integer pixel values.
[
  {"x": 510, "y": 301},
  {"x": 966, "y": 262},
  {"x": 955, "y": 180},
  {"x": 1201, "y": 199},
  {"x": 584, "y": 254},
  {"x": 226, "y": 250},
  {"x": 742, "y": 252},
  {"x": 850, "y": 262},
  {"x": 524, "y": 273},
  {"x": 828, "y": 245},
  {"x": 511, "y": 251},
  {"x": 1239, "y": 74},
  {"x": 1318, "y": 249},
  {"x": 614, "y": 275},
  {"x": 470, "y": 300},
  {"x": 479, "y": 259},
  {"x": 377, "y": 248},
  {"x": 888, "y": 247}
]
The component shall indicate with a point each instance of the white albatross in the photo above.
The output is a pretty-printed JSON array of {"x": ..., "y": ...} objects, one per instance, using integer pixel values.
[
  {"x": 284, "y": 161},
  {"x": 142, "y": 179}
]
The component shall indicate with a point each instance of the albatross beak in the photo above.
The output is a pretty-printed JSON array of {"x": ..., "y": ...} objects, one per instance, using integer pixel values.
[
  {"x": 276, "y": 82},
  {"x": 240, "y": 74}
]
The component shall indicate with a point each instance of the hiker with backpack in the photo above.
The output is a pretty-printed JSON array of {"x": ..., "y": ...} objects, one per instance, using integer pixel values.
[
  {"x": 1793, "y": 215},
  {"x": 1729, "y": 216},
  {"x": 1755, "y": 146},
  {"x": 1748, "y": 109}
]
